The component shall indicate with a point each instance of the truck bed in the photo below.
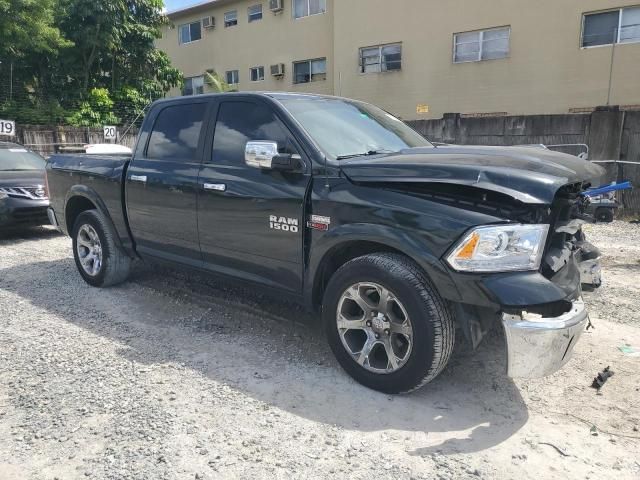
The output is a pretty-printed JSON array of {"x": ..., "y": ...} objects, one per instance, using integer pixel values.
[{"x": 98, "y": 178}]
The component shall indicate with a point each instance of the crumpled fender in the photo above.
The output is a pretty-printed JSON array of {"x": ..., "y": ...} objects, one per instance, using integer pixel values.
[{"x": 398, "y": 239}]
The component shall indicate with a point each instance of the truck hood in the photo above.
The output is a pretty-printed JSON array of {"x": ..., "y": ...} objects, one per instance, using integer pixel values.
[{"x": 528, "y": 174}]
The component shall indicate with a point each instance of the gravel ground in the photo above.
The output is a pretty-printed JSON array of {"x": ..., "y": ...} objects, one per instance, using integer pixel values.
[{"x": 172, "y": 375}]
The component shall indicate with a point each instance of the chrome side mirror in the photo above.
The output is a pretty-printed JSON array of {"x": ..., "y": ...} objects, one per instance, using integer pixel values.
[{"x": 259, "y": 154}]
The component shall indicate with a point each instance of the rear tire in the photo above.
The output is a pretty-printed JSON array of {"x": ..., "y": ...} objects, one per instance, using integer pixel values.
[
  {"x": 604, "y": 215},
  {"x": 98, "y": 258},
  {"x": 412, "y": 327}
]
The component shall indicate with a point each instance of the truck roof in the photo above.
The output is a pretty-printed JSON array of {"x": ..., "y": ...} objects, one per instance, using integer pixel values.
[{"x": 276, "y": 95}]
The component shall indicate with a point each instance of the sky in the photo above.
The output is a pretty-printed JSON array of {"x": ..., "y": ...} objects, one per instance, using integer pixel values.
[{"x": 175, "y": 4}]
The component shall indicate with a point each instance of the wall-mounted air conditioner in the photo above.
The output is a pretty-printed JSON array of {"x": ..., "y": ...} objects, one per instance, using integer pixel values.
[
  {"x": 275, "y": 6},
  {"x": 277, "y": 70},
  {"x": 209, "y": 22}
]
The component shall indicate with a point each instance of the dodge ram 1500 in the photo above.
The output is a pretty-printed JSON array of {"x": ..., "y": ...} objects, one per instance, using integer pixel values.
[{"x": 398, "y": 244}]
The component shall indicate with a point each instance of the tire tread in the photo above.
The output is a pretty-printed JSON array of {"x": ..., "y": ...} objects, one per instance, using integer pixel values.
[
  {"x": 439, "y": 314},
  {"x": 116, "y": 263}
]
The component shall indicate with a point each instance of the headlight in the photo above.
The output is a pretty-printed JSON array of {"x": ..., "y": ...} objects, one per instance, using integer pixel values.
[
  {"x": 3, "y": 196},
  {"x": 502, "y": 248}
]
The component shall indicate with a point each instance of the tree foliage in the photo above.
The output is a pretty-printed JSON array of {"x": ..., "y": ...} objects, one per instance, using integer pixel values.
[
  {"x": 92, "y": 59},
  {"x": 216, "y": 84},
  {"x": 27, "y": 27},
  {"x": 97, "y": 109}
]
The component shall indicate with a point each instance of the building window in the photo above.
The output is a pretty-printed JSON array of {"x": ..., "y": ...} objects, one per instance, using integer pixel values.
[
  {"x": 381, "y": 58},
  {"x": 190, "y": 32},
  {"x": 255, "y": 13},
  {"x": 257, "y": 74},
  {"x": 304, "y": 8},
  {"x": 193, "y": 86},
  {"x": 614, "y": 26},
  {"x": 481, "y": 45},
  {"x": 233, "y": 77},
  {"x": 231, "y": 18},
  {"x": 310, "y": 70}
]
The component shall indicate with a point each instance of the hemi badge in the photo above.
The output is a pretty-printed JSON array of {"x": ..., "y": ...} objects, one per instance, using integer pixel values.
[{"x": 318, "y": 222}]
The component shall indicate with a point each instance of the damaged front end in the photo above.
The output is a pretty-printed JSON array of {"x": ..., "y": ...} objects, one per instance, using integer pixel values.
[
  {"x": 567, "y": 240},
  {"x": 538, "y": 303},
  {"x": 537, "y": 345},
  {"x": 540, "y": 338}
]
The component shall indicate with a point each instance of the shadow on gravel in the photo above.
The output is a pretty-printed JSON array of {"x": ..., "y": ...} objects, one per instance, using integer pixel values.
[
  {"x": 275, "y": 353},
  {"x": 16, "y": 235}
]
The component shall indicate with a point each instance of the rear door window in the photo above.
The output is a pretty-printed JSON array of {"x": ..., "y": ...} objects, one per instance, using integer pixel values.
[{"x": 176, "y": 133}]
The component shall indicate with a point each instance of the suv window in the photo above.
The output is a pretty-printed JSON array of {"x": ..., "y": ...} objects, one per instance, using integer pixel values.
[
  {"x": 240, "y": 122},
  {"x": 176, "y": 132}
]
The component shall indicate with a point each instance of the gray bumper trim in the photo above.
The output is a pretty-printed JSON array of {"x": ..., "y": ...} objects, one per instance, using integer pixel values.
[
  {"x": 52, "y": 218},
  {"x": 538, "y": 346}
]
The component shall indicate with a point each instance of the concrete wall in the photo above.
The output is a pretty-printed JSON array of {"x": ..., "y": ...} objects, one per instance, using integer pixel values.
[{"x": 611, "y": 134}]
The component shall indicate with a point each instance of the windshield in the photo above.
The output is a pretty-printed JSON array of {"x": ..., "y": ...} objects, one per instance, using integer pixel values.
[
  {"x": 344, "y": 128},
  {"x": 18, "y": 158}
]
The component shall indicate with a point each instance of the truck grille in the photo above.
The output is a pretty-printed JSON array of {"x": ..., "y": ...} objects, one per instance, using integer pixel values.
[{"x": 32, "y": 193}]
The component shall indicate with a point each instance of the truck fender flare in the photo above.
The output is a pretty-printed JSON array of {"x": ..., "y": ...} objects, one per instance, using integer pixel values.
[
  {"x": 394, "y": 238},
  {"x": 91, "y": 195}
]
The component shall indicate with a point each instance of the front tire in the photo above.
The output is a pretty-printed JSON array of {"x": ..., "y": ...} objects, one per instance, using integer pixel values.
[
  {"x": 386, "y": 324},
  {"x": 99, "y": 260}
]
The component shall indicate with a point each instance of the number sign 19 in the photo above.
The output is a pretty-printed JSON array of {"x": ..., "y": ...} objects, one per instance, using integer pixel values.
[
  {"x": 7, "y": 127},
  {"x": 110, "y": 132}
]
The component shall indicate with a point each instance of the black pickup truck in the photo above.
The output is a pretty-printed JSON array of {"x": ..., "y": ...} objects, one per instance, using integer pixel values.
[{"x": 338, "y": 204}]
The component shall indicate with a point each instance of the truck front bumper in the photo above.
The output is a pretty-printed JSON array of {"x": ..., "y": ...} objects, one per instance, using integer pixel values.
[{"x": 538, "y": 346}]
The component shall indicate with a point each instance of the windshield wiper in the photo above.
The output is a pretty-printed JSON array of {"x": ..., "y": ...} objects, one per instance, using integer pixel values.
[{"x": 364, "y": 154}]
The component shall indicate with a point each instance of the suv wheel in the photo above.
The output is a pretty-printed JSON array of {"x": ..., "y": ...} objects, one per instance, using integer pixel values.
[
  {"x": 604, "y": 215},
  {"x": 99, "y": 260},
  {"x": 386, "y": 323}
]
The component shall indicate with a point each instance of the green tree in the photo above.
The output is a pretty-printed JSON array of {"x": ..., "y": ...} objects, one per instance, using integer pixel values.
[
  {"x": 95, "y": 111},
  {"x": 215, "y": 83},
  {"x": 29, "y": 36},
  {"x": 27, "y": 28},
  {"x": 114, "y": 46},
  {"x": 64, "y": 51}
]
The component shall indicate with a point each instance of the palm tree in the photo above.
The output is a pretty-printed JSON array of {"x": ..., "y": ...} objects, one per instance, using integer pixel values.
[{"x": 216, "y": 83}]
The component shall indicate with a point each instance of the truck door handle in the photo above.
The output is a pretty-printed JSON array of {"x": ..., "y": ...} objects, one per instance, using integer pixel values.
[
  {"x": 216, "y": 187},
  {"x": 139, "y": 178}
]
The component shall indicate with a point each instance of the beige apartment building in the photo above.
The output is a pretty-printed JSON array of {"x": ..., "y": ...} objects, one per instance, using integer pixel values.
[{"x": 418, "y": 58}]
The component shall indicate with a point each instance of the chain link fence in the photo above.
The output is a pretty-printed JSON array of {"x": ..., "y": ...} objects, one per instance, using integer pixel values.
[{"x": 53, "y": 119}]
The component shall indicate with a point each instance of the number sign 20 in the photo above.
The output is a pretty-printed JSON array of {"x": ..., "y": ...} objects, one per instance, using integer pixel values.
[{"x": 110, "y": 132}]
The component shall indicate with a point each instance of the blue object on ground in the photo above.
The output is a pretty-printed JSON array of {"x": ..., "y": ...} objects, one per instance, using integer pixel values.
[{"x": 594, "y": 192}]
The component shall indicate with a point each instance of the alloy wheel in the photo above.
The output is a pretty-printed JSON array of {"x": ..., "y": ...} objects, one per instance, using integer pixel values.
[
  {"x": 89, "y": 250},
  {"x": 374, "y": 327}
]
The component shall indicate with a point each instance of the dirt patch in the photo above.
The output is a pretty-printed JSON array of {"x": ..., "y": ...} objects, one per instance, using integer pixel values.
[{"x": 175, "y": 376}]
